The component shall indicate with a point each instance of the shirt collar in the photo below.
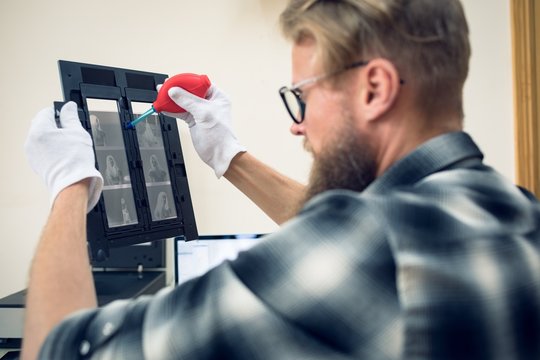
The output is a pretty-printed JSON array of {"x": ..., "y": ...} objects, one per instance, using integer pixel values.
[{"x": 434, "y": 155}]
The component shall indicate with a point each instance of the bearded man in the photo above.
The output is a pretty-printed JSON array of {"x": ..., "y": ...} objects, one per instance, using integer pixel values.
[{"x": 404, "y": 244}]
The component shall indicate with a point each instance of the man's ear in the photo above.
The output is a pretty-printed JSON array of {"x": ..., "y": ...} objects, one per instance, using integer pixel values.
[{"x": 380, "y": 88}]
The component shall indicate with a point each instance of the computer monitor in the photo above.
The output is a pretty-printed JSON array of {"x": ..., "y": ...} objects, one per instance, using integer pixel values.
[{"x": 194, "y": 258}]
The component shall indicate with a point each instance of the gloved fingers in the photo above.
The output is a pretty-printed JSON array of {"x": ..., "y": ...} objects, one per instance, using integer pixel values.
[
  {"x": 185, "y": 99},
  {"x": 214, "y": 93},
  {"x": 43, "y": 120},
  {"x": 69, "y": 117},
  {"x": 187, "y": 117},
  {"x": 160, "y": 85},
  {"x": 42, "y": 124},
  {"x": 189, "y": 120}
]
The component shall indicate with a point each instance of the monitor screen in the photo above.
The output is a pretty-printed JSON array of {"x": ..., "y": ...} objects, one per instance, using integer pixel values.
[{"x": 194, "y": 258}]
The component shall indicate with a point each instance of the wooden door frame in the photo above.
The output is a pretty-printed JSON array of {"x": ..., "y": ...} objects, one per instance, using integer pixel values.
[{"x": 526, "y": 74}]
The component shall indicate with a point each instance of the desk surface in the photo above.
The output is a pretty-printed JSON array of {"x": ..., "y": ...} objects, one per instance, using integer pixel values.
[
  {"x": 110, "y": 286},
  {"x": 4, "y": 352}
]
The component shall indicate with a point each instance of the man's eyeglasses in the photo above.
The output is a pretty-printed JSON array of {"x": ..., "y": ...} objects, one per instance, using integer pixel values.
[{"x": 292, "y": 96}]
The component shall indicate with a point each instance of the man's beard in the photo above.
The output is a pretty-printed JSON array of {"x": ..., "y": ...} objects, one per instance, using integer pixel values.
[{"x": 348, "y": 163}]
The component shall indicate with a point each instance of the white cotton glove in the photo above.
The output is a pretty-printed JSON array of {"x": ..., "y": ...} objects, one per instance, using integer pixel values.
[
  {"x": 210, "y": 124},
  {"x": 63, "y": 156}
]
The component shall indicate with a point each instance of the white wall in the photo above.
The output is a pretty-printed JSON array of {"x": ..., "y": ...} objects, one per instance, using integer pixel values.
[
  {"x": 238, "y": 44},
  {"x": 488, "y": 91}
]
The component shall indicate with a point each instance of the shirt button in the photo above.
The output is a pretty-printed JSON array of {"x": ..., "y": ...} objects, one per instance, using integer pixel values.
[
  {"x": 84, "y": 349},
  {"x": 107, "y": 329}
]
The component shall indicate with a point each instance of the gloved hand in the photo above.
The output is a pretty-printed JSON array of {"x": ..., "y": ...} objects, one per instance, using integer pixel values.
[
  {"x": 210, "y": 124},
  {"x": 63, "y": 156}
]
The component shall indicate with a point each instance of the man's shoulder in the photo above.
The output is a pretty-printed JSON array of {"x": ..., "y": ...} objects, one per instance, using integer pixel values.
[
  {"x": 481, "y": 185},
  {"x": 450, "y": 202},
  {"x": 460, "y": 203}
]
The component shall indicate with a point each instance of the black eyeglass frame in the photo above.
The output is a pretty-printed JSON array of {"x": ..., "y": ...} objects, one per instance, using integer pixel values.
[{"x": 295, "y": 89}]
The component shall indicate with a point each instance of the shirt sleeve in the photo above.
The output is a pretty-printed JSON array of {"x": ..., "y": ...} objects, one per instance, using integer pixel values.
[{"x": 112, "y": 332}]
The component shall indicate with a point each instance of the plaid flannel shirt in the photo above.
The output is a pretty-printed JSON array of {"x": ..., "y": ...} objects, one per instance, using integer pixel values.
[{"x": 439, "y": 258}]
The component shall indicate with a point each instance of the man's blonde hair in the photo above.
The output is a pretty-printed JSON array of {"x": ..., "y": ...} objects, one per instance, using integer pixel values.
[{"x": 427, "y": 41}]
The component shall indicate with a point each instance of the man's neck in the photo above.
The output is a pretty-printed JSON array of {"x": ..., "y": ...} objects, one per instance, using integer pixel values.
[{"x": 399, "y": 138}]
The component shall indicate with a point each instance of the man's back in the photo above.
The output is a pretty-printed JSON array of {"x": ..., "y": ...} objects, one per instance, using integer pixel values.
[
  {"x": 467, "y": 250},
  {"x": 438, "y": 259}
]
